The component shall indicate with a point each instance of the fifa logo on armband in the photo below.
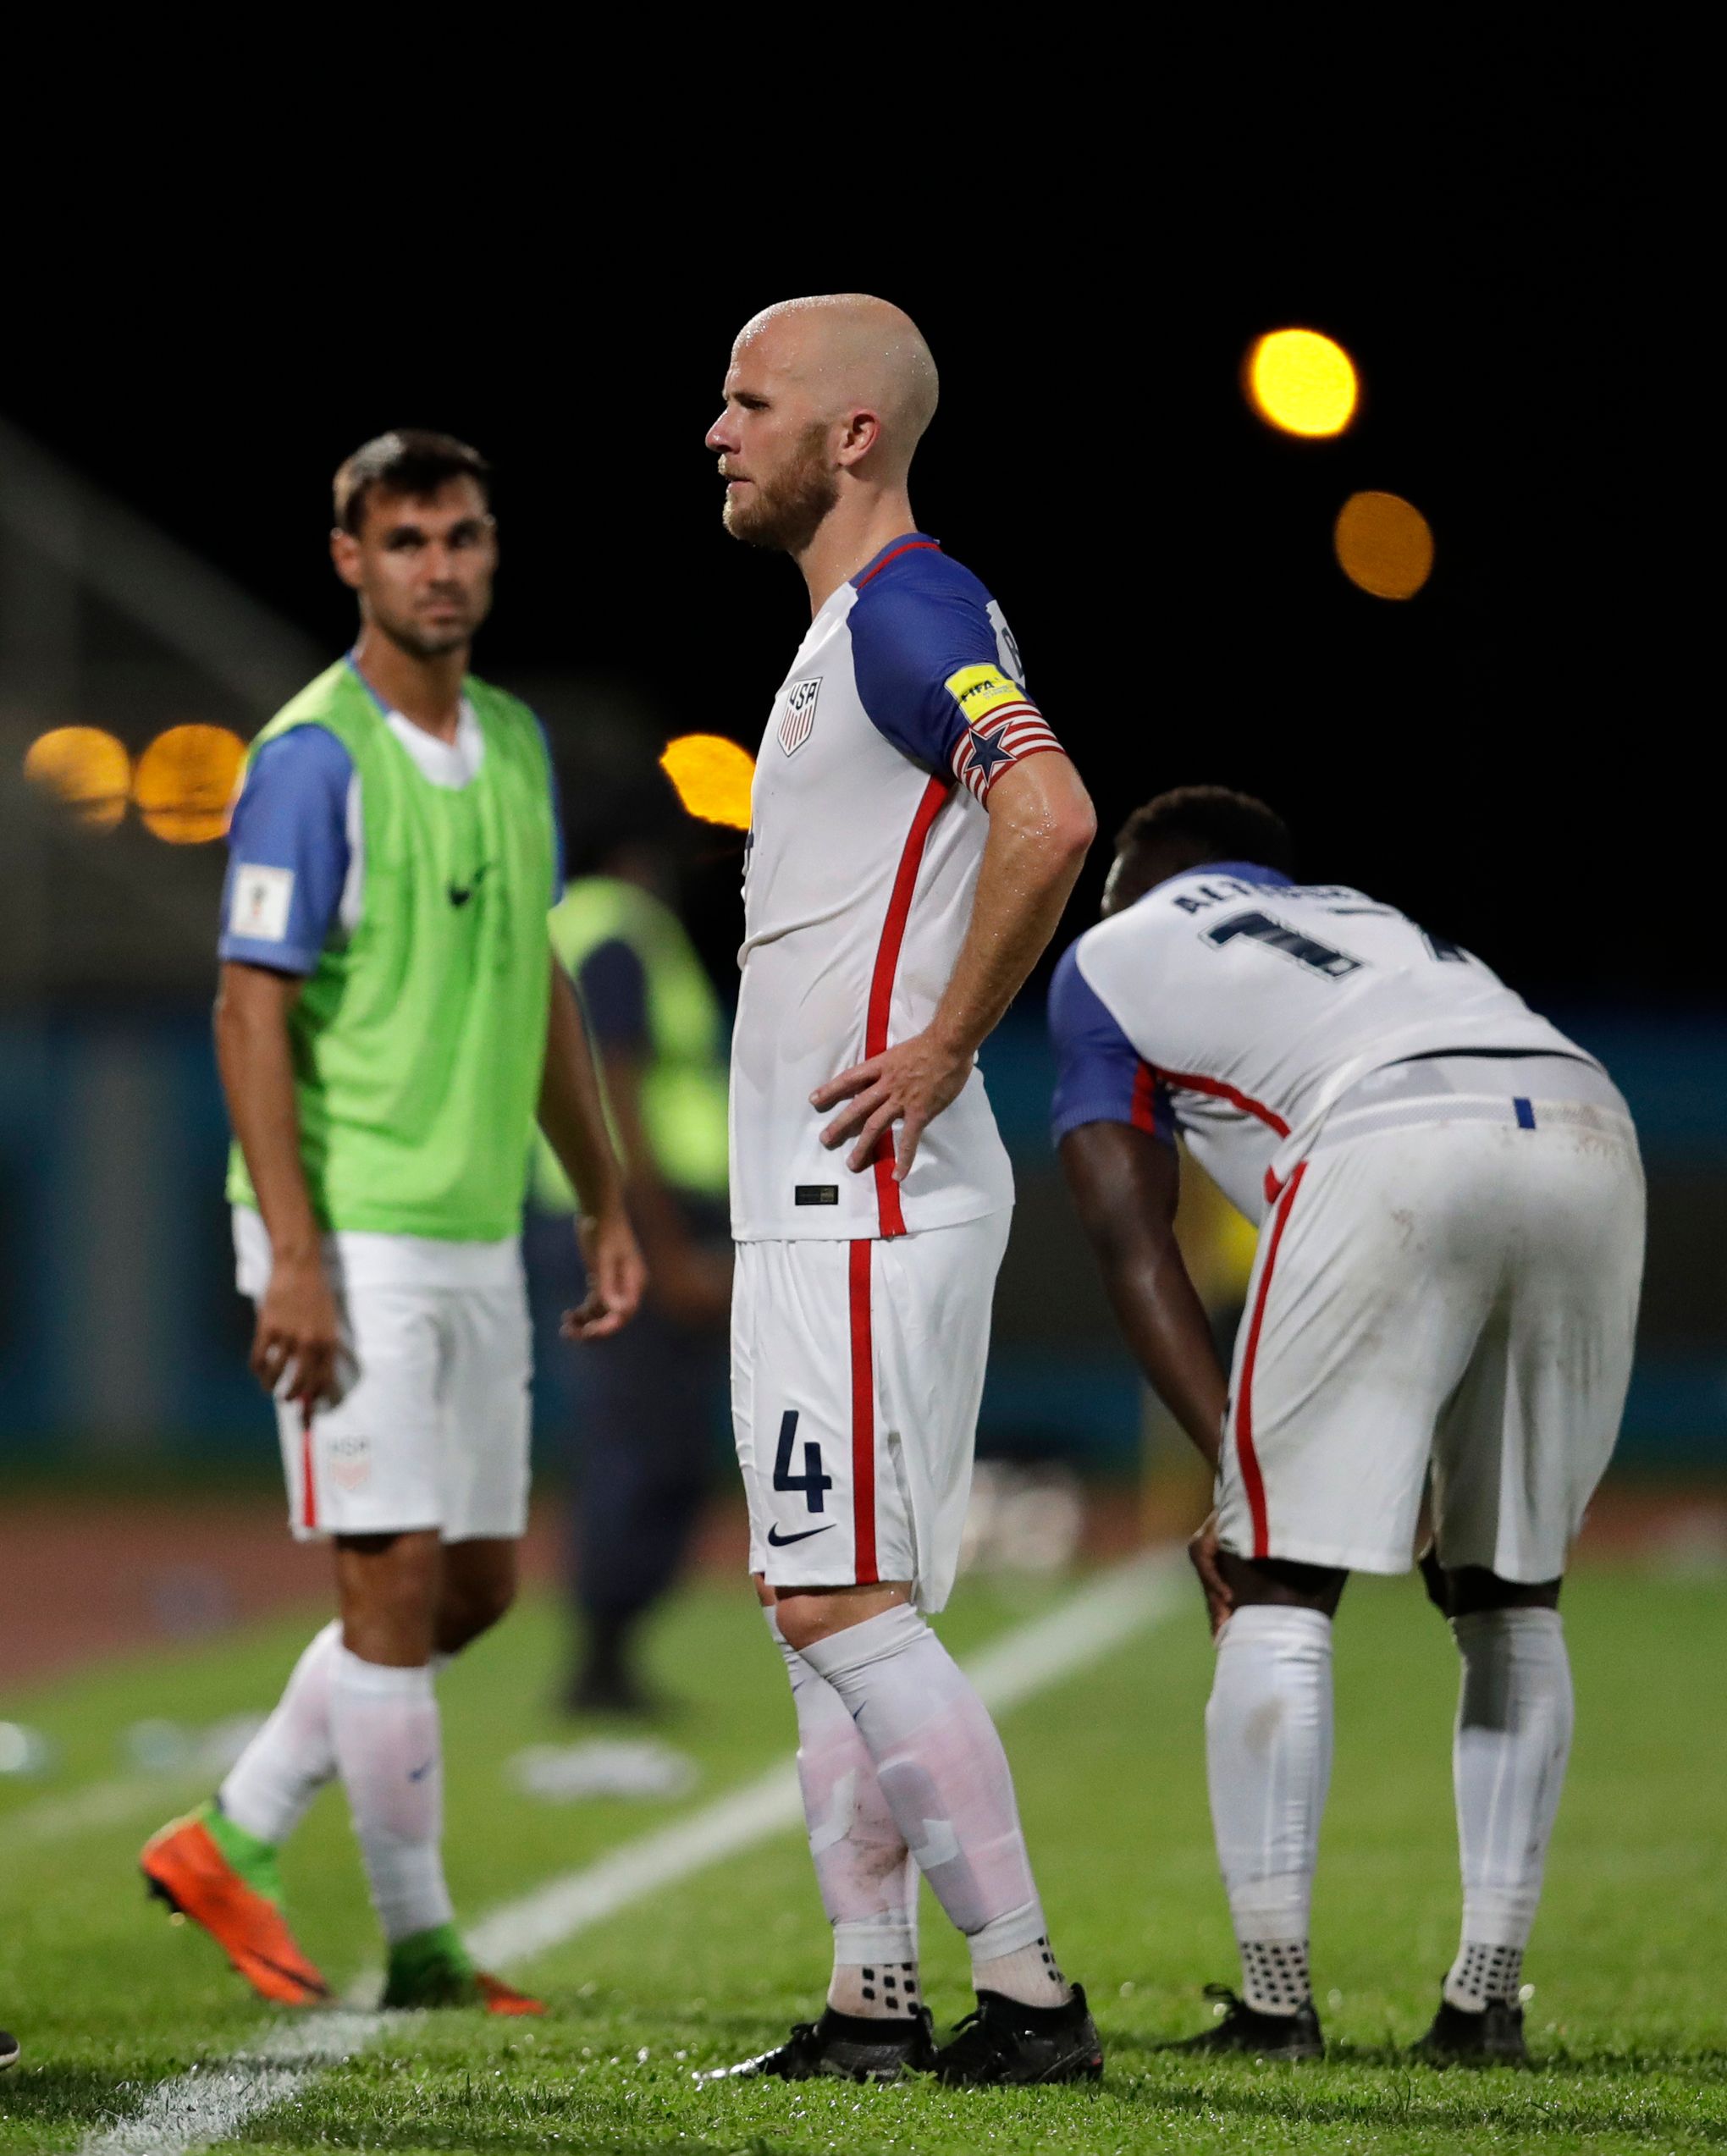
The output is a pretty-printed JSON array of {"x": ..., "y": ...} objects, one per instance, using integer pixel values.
[{"x": 800, "y": 714}]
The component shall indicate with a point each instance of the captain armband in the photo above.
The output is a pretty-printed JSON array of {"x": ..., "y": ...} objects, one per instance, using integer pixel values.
[{"x": 1002, "y": 727}]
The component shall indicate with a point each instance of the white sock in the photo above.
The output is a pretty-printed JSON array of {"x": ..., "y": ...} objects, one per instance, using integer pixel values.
[
  {"x": 391, "y": 1761},
  {"x": 1513, "y": 1736},
  {"x": 270, "y": 1786},
  {"x": 944, "y": 1776},
  {"x": 868, "y": 1880},
  {"x": 1268, "y": 1751}
]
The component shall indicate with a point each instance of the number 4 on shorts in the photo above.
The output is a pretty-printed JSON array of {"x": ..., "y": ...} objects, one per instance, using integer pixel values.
[{"x": 812, "y": 1481}]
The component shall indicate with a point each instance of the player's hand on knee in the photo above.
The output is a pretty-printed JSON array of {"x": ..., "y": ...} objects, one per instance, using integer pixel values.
[
  {"x": 909, "y": 1084},
  {"x": 295, "y": 1346},
  {"x": 617, "y": 1276},
  {"x": 1202, "y": 1555}
]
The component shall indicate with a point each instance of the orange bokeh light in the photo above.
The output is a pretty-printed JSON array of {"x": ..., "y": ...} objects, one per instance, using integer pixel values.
[
  {"x": 185, "y": 783},
  {"x": 713, "y": 777}
]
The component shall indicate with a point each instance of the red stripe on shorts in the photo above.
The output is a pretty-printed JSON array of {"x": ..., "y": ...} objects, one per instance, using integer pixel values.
[
  {"x": 308, "y": 1488},
  {"x": 893, "y": 935},
  {"x": 1251, "y": 1481},
  {"x": 863, "y": 1418}
]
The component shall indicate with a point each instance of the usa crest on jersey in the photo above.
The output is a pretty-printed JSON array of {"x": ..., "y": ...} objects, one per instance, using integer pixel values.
[{"x": 800, "y": 714}]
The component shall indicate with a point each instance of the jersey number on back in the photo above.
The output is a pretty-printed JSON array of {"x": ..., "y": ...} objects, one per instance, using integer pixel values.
[{"x": 1305, "y": 950}]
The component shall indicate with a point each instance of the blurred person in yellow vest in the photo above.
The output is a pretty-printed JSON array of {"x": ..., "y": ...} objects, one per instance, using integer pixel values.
[{"x": 645, "y": 1422}]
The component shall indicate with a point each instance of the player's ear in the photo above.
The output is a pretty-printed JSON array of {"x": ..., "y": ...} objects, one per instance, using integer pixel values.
[
  {"x": 860, "y": 433},
  {"x": 344, "y": 553}
]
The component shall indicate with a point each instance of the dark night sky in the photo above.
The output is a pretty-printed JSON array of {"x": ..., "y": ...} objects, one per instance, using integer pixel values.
[{"x": 1164, "y": 558}]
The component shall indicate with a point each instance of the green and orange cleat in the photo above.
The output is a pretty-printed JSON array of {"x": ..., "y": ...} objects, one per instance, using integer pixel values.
[
  {"x": 208, "y": 1869},
  {"x": 433, "y": 1969}
]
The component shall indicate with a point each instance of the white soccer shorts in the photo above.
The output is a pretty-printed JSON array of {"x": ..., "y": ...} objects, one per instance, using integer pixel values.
[
  {"x": 435, "y": 1431},
  {"x": 857, "y": 1368},
  {"x": 1462, "y": 1292}
]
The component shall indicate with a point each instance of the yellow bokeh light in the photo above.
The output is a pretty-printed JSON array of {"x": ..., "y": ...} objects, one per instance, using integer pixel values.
[
  {"x": 186, "y": 782},
  {"x": 1383, "y": 543},
  {"x": 87, "y": 770},
  {"x": 713, "y": 777},
  {"x": 1302, "y": 382}
]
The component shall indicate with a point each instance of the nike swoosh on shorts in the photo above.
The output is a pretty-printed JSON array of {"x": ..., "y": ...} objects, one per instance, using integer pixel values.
[{"x": 779, "y": 1541}]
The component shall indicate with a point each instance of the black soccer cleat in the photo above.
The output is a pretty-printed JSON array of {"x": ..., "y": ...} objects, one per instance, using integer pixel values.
[
  {"x": 1262, "y": 2036},
  {"x": 1492, "y": 2037},
  {"x": 8, "y": 2051},
  {"x": 1004, "y": 2044},
  {"x": 842, "y": 2048}
]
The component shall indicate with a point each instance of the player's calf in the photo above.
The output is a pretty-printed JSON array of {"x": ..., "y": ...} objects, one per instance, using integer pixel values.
[
  {"x": 1513, "y": 1740},
  {"x": 478, "y": 1591},
  {"x": 1268, "y": 1748}
]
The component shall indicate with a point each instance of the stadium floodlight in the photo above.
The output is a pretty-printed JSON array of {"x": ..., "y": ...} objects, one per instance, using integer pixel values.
[
  {"x": 185, "y": 783},
  {"x": 87, "y": 771},
  {"x": 1302, "y": 382},
  {"x": 1383, "y": 544},
  {"x": 712, "y": 777}
]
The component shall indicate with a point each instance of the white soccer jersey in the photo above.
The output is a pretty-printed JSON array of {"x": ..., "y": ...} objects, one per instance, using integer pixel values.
[
  {"x": 899, "y": 712},
  {"x": 1238, "y": 1007}
]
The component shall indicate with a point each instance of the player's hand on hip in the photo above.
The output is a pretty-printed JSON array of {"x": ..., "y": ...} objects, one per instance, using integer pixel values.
[
  {"x": 298, "y": 1338},
  {"x": 1202, "y": 1554},
  {"x": 616, "y": 1276},
  {"x": 909, "y": 1084}
]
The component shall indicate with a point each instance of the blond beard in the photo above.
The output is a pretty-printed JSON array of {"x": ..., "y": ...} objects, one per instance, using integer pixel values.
[{"x": 789, "y": 514}]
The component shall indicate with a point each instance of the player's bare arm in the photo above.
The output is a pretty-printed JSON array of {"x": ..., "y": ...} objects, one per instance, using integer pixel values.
[
  {"x": 1041, "y": 824},
  {"x": 1125, "y": 1183},
  {"x": 692, "y": 1284},
  {"x": 573, "y": 1118},
  {"x": 297, "y": 1324}
]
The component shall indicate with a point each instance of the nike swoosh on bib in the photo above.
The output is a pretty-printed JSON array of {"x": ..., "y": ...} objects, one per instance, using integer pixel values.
[
  {"x": 459, "y": 895},
  {"x": 779, "y": 1541}
]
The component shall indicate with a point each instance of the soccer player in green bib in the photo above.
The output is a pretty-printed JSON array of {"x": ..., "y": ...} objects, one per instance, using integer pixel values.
[{"x": 390, "y": 1026}]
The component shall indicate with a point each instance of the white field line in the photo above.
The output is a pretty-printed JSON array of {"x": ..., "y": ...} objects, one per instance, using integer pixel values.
[
  {"x": 109, "y": 1803},
  {"x": 211, "y": 2104}
]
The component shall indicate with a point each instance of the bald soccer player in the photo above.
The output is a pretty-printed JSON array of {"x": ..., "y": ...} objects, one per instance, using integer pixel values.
[{"x": 916, "y": 829}]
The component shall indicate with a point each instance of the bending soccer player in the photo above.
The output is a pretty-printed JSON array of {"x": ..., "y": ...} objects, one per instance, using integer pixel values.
[
  {"x": 389, "y": 1024},
  {"x": 1450, "y": 1253},
  {"x": 916, "y": 831}
]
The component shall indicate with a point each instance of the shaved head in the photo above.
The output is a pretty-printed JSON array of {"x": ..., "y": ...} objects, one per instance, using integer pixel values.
[
  {"x": 826, "y": 400},
  {"x": 848, "y": 351}
]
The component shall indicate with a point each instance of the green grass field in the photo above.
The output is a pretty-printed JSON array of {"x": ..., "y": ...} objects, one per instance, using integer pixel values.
[{"x": 1630, "y": 1963}]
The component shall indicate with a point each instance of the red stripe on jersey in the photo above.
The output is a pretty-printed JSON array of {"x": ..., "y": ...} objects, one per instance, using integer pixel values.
[
  {"x": 862, "y": 1419},
  {"x": 1189, "y": 1083},
  {"x": 1251, "y": 1481},
  {"x": 1144, "y": 1110},
  {"x": 893, "y": 935},
  {"x": 308, "y": 1487},
  {"x": 911, "y": 545}
]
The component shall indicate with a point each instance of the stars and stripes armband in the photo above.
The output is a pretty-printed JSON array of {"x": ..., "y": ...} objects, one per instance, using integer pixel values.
[{"x": 1002, "y": 727}]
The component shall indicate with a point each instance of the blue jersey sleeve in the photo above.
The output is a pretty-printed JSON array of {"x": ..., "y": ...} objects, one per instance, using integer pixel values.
[
  {"x": 288, "y": 852},
  {"x": 929, "y": 663},
  {"x": 1101, "y": 1077}
]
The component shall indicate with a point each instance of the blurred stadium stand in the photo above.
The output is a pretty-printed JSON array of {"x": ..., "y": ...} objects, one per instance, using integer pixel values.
[{"x": 119, "y": 1332}]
